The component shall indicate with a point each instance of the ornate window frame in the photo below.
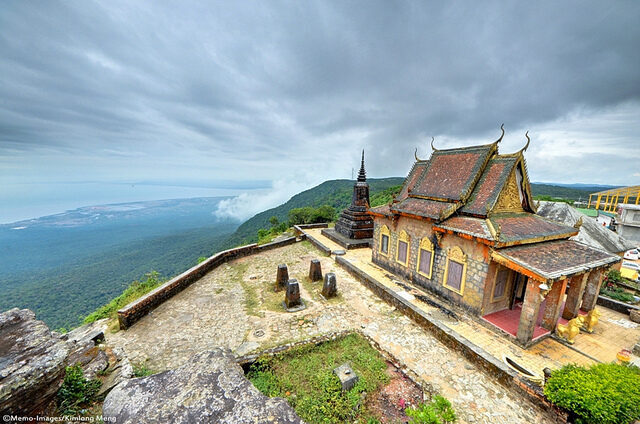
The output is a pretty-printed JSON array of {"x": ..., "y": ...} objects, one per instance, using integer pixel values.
[
  {"x": 403, "y": 237},
  {"x": 456, "y": 254},
  {"x": 425, "y": 244},
  {"x": 510, "y": 278},
  {"x": 384, "y": 231}
]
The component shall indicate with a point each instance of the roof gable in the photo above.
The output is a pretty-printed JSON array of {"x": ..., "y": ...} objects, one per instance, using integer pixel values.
[
  {"x": 450, "y": 175},
  {"x": 485, "y": 194}
]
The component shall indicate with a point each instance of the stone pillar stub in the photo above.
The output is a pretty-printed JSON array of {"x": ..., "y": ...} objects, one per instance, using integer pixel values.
[
  {"x": 330, "y": 287},
  {"x": 292, "y": 295},
  {"x": 282, "y": 277},
  {"x": 315, "y": 270}
]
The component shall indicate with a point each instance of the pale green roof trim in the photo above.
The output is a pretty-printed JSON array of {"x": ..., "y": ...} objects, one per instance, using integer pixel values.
[{"x": 589, "y": 212}]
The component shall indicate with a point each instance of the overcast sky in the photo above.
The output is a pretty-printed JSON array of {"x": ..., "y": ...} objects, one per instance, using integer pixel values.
[{"x": 290, "y": 92}]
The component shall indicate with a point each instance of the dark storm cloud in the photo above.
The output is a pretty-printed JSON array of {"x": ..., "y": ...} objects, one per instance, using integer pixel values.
[{"x": 232, "y": 86}]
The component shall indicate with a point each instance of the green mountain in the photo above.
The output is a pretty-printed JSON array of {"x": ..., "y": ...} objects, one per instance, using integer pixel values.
[{"x": 335, "y": 193}]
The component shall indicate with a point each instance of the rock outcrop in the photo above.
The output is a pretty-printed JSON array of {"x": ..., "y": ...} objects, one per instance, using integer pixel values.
[
  {"x": 33, "y": 360},
  {"x": 32, "y": 363},
  {"x": 209, "y": 388}
]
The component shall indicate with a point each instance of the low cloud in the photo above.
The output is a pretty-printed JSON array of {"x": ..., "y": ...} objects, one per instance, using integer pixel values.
[{"x": 247, "y": 204}]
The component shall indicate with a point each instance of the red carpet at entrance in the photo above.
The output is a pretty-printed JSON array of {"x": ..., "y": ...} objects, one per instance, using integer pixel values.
[{"x": 508, "y": 320}]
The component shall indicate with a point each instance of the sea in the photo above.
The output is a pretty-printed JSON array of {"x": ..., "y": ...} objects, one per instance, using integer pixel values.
[{"x": 21, "y": 201}]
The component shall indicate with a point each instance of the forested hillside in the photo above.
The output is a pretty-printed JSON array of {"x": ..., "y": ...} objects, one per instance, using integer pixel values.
[{"x": 65, "y": 266}]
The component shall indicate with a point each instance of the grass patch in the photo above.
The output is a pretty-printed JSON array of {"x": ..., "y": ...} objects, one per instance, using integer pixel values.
[
  {"x": 251, "y": 298},
  {"x": 131, "y": 293},
  {"x": 142, "y": 371},
  {"x": 304, "y": 377},
  {"x": 76, "y": 393}
]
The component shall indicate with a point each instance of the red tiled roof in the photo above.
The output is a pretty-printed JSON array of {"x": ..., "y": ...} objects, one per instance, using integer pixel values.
[
  {"x": 520, "y": 227},
  {"x": 424, "y": 208},
  {"x": 467, "y": 225},
  {"x": 553, "y": 260},
  {"x": 486, "y": 192},
  {"x": 450, "y": 174},
  {"x": 411, "y": 179}
]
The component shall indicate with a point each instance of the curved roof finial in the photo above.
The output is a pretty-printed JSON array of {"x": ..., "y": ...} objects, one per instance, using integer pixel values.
[
  {"x": 501, "y": 135},
  {"x": 415, "y": 155},
  {"x": 433, "y": 148},
  {"x": 524, "y": 149}
]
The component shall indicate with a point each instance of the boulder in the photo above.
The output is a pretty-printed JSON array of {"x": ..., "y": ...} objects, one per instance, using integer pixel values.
[
  {"x": 32, "y": 363},
  {"x": 33, "y": 360},
  {"x": 634, "y": 315},
  {"x": 210, "y": 387}
]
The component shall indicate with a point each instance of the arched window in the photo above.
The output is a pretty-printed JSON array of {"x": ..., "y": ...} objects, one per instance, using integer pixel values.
[
  {"x": 385, "y": 236},
  {"x": 455, "y": 270},
  {"x": 425, "y": 258},
  {"x": 402, "y": 251}
]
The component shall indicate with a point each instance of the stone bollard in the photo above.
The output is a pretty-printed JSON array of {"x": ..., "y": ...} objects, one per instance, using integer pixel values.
[
  {"x": 315, "y": 270},
  {"x": 329, "y": 288},
  {"x": 292, "y": 295},
  {"x": 282, "y": 277}
]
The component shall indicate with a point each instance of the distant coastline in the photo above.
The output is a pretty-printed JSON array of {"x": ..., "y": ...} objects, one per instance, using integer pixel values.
[{"x": 25, "y": 201}]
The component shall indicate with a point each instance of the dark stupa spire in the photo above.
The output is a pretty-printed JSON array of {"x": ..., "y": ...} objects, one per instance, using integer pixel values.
[{"x": 362, "y": 175}]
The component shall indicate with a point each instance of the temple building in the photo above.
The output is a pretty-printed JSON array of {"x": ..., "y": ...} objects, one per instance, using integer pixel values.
[
  {"x": 354, "y": 228},
  {"x": 464, "y": 226}
]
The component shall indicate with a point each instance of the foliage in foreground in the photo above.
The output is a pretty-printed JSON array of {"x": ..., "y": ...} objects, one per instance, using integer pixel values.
[
  {"x": 131, "y": 293},
  {"x": 76, "y": 392},
  {"x": 304, "y": 377},
  {"x": 438, "y": 411},
  {"x": 601, "y": 394}
]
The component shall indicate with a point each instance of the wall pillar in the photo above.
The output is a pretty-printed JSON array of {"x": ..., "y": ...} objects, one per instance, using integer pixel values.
[
  {"x": 529, "y": 315},
  {"x": 574, "y": 296},
  {"x": 591, "y": 291},
  {"x": 554, "y": 302}
]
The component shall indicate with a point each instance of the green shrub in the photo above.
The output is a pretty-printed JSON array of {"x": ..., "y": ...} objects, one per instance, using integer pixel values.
[
  {"x": 142, "y": 371},
  {"x": 601, "y": 394},
  {"x": 310, "y": 215},
  {"x": 202, "y": 259},
  {"x": 438, "y": 411},
  {"x": 76, "y": 392},
  {"x": 131, "y": 293}
]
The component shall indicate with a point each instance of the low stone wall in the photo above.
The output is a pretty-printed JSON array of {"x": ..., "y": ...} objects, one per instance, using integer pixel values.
[
  {"x": 616, "y": 305},
  {"x": 299, "y": 229},
  {"x": 499, "y": 370},
  {"x": 135, "y": 310}
]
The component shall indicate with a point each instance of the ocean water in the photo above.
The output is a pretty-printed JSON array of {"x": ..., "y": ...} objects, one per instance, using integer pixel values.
[{"x": 32, "y": 200}]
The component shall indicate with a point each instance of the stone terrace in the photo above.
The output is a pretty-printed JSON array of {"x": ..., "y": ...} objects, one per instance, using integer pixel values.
[
  {"x": 232, "y": 307},
  {"x": 613, "y": 333}
]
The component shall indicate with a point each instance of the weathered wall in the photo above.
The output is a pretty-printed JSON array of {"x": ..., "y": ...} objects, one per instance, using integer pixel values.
[{"x": 477, "y": 261}]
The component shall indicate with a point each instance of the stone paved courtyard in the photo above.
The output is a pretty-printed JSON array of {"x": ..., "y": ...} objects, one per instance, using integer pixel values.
[{"x": 232, "y": 306}]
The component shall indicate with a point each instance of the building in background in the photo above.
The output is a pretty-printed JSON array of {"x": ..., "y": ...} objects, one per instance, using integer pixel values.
[{"x": 628, "y": 221}]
